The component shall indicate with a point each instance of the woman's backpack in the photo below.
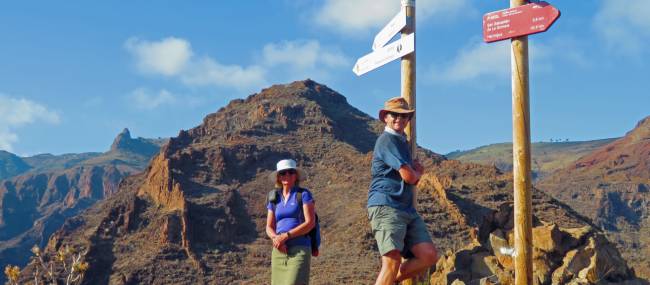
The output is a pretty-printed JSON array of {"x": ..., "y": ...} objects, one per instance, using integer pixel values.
[{"x": 314, "y": 233}]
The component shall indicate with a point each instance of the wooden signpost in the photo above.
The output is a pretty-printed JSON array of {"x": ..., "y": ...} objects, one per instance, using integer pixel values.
[
  {"x": 384, "y": 55},
  {"x": 516, "y": 23},
  {"x": 519, "y": 21},
  {"x": 390, "y": 30},
  {"x": 403, "y": 48}
]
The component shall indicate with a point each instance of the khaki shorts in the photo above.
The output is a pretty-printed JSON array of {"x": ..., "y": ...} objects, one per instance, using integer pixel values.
[{"x": 396, "y": 229}]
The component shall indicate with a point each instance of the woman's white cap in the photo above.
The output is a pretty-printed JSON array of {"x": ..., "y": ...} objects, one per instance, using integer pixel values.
[{"x": 285, "y": 164}]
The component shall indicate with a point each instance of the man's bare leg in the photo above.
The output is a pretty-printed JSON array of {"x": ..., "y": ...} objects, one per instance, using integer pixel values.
[
  {"x": 390, "y": 264},
  {"x": 426, "y": 256}
]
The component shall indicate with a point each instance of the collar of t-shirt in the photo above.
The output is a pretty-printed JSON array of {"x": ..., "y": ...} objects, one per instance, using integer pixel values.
[
  {"x": 392, "y": 132},
  {"x": 293, "y": 189}
]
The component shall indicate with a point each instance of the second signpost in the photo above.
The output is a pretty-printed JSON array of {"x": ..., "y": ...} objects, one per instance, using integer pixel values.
[{"x": 516, "y": 23}]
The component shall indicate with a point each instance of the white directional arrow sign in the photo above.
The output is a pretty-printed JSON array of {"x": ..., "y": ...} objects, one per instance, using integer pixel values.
[
  {"x": 388, "y": 32},
  {"x": 386, "y": 54}
]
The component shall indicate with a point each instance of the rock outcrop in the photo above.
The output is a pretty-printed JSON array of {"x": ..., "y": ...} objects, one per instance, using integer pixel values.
[
  {"x": 560, "y": 256},
  {"x": 124, "y": 143}
]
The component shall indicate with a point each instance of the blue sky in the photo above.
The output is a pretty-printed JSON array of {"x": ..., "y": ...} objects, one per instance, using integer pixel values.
[{"x": 74, "y": 73}]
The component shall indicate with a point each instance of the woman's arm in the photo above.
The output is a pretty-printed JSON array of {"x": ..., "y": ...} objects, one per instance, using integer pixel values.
[
  {"x": 270, "y": 224},
  {"x": 305, "y": 227}
]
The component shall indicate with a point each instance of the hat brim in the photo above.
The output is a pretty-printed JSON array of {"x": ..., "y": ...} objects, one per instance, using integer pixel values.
[
  {"x": 301, "y": 173},
  {"x": 383, "y": 112}
]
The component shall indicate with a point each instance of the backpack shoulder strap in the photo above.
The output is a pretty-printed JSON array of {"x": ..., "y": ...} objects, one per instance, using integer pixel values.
[
  {"x": 301, "y": 214},
  {"x": 272, "y": 197},
  {"x": 299, "y": 196}
]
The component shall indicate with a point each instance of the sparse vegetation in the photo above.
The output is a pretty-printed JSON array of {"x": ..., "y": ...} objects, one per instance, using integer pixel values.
[
  {"x": 66, "y": 266},
  {"x": 12, "y": 273}
]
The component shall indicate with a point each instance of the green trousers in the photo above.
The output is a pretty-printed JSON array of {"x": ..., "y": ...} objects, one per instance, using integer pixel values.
[{"x": 291, "y": 268}]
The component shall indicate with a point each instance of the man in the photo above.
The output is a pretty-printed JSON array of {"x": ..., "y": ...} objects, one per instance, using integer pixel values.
[{"x": 396, "y": 225}]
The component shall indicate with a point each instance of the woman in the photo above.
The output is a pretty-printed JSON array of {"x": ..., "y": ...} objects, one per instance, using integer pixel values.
[{"x": 287, "y": 225}]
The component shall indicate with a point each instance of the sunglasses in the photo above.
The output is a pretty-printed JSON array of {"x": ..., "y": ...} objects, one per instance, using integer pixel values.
[
  {"x": 400, "y": 115},
  {"x": 285, "y": 172}
]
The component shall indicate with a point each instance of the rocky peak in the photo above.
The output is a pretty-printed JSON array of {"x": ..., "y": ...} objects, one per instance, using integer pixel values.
[
  {"x": 641, "y": 132},
  {"x": 292, "y": 117},
  {"x": 301, "y": 109},
  {"x": 125, "y": 143},
  {"x": 122, "y": 140}
]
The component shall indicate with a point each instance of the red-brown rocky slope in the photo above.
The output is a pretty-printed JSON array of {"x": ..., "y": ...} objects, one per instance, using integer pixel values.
[
  {"x": 197, "y": 214},
  {"x": 35, "y": 204},
  {"x": 611, "y": 186}
]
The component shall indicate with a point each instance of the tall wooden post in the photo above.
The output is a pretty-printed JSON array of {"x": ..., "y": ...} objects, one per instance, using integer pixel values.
[
  {"x": 408, "y": 90},
  {"x": 521, "y": 158},
  {"x": 408, "y": 71}
]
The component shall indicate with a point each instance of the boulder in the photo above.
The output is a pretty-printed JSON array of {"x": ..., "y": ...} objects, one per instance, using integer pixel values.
[
  {"x": 547, "y": 238},
  {"x": 500, "y": 247}
]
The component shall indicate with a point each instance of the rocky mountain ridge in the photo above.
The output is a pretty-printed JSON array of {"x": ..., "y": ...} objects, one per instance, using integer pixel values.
[
  {"x": 36, "y": 203},
  {"x": 196, "y": 215},
  {"x": 611, "y": 185}
]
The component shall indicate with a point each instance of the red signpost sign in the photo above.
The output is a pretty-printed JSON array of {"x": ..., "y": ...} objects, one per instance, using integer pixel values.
[{"x": 519, "y": 21}]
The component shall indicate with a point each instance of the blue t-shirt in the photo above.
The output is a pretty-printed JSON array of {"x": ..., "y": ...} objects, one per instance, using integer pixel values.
[
  {"x": 288, "y": 215},
  {"x": 387, "y": 187}
]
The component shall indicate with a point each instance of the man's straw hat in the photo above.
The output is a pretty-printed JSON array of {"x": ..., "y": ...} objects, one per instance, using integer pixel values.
[{"x": 396, "y": 105}]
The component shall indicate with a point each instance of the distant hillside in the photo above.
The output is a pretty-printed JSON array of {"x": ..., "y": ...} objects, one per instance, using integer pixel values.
[
  {"x": 50, "y": 162},
  {"x": 547, "y": 157},
  {"x": 11, "y": 165},
  {"x": 125, "y": 150},
  {"x": 36, "y": 201},
  {"x": 611, "y": 185}
]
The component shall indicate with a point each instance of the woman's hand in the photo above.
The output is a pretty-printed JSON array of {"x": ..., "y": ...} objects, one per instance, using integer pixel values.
[
  {"x": 279, "y": 242},
  {"x": 283, "y": 248},
  {"x": 280, "y": 239}
]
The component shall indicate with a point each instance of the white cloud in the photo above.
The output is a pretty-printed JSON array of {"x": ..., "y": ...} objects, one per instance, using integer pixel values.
[
  {"x": 492, "y": 61},
  {"x": 15, "y": 113},
  {"x": 144, "y": 99},
  {"x": 302, "y": 55},
  {"x": 349, "y": 17},
  {"x": 300, "y": 59},
  {"x": 478, "y": 60},
  {"x": 625, "y": 25},
  {"x": 167, "y": 57},
  {"x": 208, "y": 71},
  {"x": 174, "y": 57}
]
